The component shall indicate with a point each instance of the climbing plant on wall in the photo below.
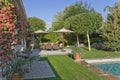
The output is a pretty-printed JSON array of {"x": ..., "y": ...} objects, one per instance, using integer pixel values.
[
  {"x": 7, "y": 26},
  {"x": 12, "y": 21}
]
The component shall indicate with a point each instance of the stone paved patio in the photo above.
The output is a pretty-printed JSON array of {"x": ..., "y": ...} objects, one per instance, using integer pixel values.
[
  {"x": 55, "y": 52},
  {"x": 39, "y": 69}
]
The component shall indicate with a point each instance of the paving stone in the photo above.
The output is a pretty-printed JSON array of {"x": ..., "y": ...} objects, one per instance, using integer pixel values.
[
  {"x": 55, "y": 52},
  {"x": 39, "y": 69},
  {"x": 42, "y": 69}
]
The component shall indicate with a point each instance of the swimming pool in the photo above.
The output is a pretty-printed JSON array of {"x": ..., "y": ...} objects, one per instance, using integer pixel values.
[{"x": 113, "y": 68}]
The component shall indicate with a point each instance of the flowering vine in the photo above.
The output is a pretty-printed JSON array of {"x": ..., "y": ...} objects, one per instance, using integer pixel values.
[
  {"x": 21, "y": 22},
  {"x": 7, "y": 25},
  {"x": 11, "y": 19}
]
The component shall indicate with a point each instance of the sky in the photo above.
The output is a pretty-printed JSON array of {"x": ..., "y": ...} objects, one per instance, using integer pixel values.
[{"x": 46, "y": 9}]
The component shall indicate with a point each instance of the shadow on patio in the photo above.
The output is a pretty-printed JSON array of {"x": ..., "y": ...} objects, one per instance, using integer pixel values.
[{"x": 42, "y": 69}]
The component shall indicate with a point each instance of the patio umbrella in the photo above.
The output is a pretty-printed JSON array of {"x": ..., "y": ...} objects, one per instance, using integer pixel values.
[
  {"x": 63, "y": 30},
  {"x": 41, "y": 32}
]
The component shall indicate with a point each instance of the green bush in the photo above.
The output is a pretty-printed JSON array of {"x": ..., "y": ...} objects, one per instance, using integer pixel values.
[{"x": 51, "y": 37}]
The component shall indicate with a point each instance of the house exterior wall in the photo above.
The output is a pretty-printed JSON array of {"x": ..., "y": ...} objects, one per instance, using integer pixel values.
[{"x": 13, "y": 30}]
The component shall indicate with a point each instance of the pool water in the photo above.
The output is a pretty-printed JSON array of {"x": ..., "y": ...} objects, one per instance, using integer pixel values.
[{"x": 113, "y": 68}]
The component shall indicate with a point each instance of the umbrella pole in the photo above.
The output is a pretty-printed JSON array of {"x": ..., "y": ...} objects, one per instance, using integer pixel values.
[
  {"x": 63, "y": 39},
  {"x": 33, "y": 39},
  {"x": 40, "y": 39},
  {"x": 63, "y": 43}
]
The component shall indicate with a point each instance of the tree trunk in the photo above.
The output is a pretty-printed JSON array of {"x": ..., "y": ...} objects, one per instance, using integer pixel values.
[
  {"x": 77, "y": 40},
  {"x": 88, "y": 38}
]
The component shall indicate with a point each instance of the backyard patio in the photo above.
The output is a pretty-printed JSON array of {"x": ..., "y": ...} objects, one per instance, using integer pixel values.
[
  {"x": 42, "y": 69},
  {"x": 45, "y": 66}
]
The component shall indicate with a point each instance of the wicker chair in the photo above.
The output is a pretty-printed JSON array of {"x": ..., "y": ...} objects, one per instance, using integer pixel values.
[
  {"x": 48, "y": 46},
  {"x": 55, "y": 46},
  {"x": 61, "y": 45}
]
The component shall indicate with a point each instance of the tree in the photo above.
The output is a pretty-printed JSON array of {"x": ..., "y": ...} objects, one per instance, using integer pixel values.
[
  {"x": 69, "y": 11},
  {"x": 58, "y": 22},
  {"x": 73, "y": 24},
  {"x": 111, "y": 28},
  {"x": 35, "y": 24},
  {"x": 77, "y": 8},
  {"x": 72, "y": 10},
  {"x": 51, "y": 37},
  {"x": 84, "y": 23},
  {"x": 94, "y": 22}
]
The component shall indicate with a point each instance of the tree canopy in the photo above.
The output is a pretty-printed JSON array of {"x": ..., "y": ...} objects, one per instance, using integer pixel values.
[
  {"x": 69, "y": 11},
  {"x": 77, "y": 8},
  {"x": 35, "y": 24},
  {"x": 84, "y": 23},
  {"x": 111, "y": 28},
  {"x": 58, "y": 22}
]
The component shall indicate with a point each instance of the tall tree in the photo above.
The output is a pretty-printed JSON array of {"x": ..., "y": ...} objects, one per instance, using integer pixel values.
[
  {"x": 73, "y": 23},
  {"x": 111, "y": 28},
  {"x": 84, "y": 23},
  {"x": 58, "y": 21},
  {"x": 72, "y": 10},
  {"x": 35, "y": 24},
  {"x": 69, "y": 11},
  {"x": 77, "y": 8}
]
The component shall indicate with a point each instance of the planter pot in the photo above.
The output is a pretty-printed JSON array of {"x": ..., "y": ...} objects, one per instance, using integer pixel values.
[
  {"x": 16, "y": 76},
  {"x": 77, "y": 56}
]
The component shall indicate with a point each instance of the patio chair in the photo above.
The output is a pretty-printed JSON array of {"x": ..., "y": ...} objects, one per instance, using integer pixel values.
[
  {"x": 55, "y": 46},
  {"x": 42, "y": 46},
  {"x": 61, "y": 45},
  {"x": 48, "y": 46},
  {"x": 26, "y": 55}
]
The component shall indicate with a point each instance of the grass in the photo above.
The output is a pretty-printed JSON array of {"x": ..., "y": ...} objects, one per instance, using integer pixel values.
[
  {"x": 98, "y": 53},
  {"x": 66, "y": 69}
]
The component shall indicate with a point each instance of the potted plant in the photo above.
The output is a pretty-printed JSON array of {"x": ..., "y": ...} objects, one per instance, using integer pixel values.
[
  {"x": 76, "y": 53},
  {"x": 17, "y": 68}
]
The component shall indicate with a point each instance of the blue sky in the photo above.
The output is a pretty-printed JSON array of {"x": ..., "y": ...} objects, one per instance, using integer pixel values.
[{"x": 46, "y": 9}]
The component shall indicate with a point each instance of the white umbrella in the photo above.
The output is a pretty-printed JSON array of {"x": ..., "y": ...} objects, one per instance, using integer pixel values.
[
  {"x": 40, "y": 32},
  {"x": 63, "y": 30}
]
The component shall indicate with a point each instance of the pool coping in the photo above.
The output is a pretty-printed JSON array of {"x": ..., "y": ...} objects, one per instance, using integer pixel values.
[
  {"x": 102, "y": 60},
  {"x": 104, "y": 74}
]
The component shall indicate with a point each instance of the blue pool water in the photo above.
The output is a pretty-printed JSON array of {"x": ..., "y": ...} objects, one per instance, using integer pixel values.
[{"x": 113, "y": 68}]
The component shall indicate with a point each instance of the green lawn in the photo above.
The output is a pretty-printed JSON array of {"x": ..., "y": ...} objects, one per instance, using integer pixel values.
[
  {"x": 66, "y": 69},
  {"x": 98, "y": 53}
]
